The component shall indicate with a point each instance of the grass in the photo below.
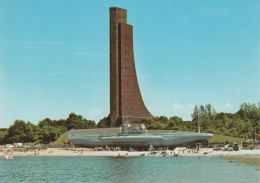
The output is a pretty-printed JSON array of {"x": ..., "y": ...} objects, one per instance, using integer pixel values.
[
  {"x": 219, "y": 138},
  {"x": 63, "y": 139}
]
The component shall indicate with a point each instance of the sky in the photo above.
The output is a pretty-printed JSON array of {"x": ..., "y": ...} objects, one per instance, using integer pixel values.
[{"x": 54, "y": 56}]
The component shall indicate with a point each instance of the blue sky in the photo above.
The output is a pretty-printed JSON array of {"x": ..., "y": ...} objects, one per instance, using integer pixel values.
[{"x": 54, "y": 56}]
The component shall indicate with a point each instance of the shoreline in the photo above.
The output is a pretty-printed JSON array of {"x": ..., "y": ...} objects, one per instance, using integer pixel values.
[
  {"x": 88, "y": 152},
  {"x": 250, "y": 157},
  {"x": 253, "y": 160}
]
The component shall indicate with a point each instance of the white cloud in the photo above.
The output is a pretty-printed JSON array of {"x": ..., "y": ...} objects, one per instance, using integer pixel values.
[
  {"x": 228, "y": 108},
  {"x": 182, "y": 110},
  {"x": 228, "y": 105},
  {"x": 185, "y": 107},
  {"x": 177, "y": 106}
]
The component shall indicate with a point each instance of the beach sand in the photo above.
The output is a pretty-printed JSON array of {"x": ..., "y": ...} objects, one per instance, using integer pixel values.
[
  {"x": 251, "y": 157},
  {"x": 88, "y": 152}
]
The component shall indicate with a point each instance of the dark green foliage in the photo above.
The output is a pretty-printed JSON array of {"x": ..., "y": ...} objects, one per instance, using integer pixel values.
[
  {"x": 240, "y": 124},
  {"x": 3, "y": 133},
  {"x": 103, "y": 123},
  {"x": 16, "y": 132},
  {"x": 47, "y": 130},
  {"x": 32, "y": 132},
  {"x": 50, "y": 133},
  {"x": 162, "y": 123},
  {"x": 77, "y": 121}
]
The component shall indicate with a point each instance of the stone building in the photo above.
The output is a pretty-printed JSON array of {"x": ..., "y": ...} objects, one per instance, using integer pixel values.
[{"x": 126, "y": 103}]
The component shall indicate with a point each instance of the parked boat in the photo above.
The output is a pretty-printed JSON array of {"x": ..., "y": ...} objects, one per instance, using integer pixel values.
[{"x": 122, "y": 156}]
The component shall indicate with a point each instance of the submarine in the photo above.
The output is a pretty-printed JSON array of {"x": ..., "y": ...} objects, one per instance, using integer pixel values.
[{"x": 136, "y": 136}]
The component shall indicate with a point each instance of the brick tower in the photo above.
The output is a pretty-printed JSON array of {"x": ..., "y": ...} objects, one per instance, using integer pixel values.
[{"x": 126, "y": 103}]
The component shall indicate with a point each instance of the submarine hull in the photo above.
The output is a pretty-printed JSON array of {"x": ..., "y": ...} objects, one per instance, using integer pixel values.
[{"x": 137, "y": 140}]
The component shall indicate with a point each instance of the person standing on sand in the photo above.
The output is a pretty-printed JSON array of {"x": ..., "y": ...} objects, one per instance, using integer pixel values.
[{"x": 251, "y": 147}]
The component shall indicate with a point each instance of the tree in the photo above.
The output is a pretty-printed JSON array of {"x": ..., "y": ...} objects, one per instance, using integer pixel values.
[
  {"x": 3, "y": 133},
  {"x": 194, "y": 115},
  {"x": 31, "y": 132},
  {"x": 103, "y": 123},
  {"x": 16, "y": 132},
  {"x": 77, "y": 121},
  {"x": 45, "y": 122}
]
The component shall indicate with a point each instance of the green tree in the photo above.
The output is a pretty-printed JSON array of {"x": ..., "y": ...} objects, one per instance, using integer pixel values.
[
  {"x": 194, "y": 115},
  {"x": 77, "y": 121},
  {"x": 45, "y": 122},
  {"x": 16, "y": 132},
  {"x": 3, "y": 133},
  {"x": 103, "y": 123},
  {"x": 31, "y": 132}
]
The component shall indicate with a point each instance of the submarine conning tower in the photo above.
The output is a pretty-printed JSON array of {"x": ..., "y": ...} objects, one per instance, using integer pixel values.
[{"x": 134, "y": 129}]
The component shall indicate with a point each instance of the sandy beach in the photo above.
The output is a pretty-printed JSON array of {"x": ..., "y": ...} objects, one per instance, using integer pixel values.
[
  {"x": 88, "y": 152},
  {"x": 250, "y": 157}
]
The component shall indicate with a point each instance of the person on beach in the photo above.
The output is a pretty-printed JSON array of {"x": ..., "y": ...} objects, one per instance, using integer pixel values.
[
  {"x": 251, "y": 147},
  {"x": 198, "y": 148}
]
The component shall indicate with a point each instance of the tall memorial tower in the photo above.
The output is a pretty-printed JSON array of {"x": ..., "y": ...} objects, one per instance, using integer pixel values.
[{"x": 126, "y": 103}]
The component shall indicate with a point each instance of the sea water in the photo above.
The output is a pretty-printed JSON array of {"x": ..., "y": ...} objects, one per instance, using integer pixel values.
[{"x": 131, "y": 169}]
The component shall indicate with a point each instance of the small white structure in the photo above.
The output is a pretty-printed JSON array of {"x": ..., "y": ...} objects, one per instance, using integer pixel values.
[
  {"x": 180, "y": 149},
  {"x": 18, "y": 144},
  {"x": 9, "y": 145}
]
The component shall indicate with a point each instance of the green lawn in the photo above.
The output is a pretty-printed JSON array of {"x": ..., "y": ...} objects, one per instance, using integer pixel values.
[
  {"x": 223, "y": 138},
  {"x": 62, "y": 140}
]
